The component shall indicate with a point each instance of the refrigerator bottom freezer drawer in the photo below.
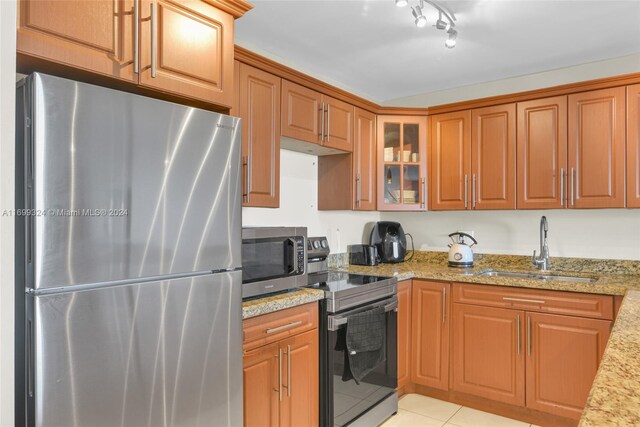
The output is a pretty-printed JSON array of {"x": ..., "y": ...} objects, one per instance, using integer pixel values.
[{"x": 156, "y": 354}]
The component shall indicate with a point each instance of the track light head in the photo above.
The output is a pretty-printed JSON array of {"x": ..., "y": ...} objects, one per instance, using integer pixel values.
[
  {"x": 451, "y": 40},
  {"x": 421, "y": 20}
]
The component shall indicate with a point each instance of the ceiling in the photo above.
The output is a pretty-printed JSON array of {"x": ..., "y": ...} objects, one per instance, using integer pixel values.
[{"x": 373, "y": 49}]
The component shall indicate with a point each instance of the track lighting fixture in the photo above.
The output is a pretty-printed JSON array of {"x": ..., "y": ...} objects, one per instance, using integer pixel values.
[{"x": 446, "y": 19}]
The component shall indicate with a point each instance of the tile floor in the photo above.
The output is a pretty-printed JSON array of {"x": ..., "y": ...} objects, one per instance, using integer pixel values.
[{"x": 415, "y": 410}]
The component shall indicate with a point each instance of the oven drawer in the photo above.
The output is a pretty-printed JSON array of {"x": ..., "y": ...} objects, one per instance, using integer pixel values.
[
  {"x": 261, "y": 330},
  {"x": 557, "y": 302}
]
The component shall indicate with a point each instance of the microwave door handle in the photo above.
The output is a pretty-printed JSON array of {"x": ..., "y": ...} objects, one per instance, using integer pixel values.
[{"x": 294, "y": 255}]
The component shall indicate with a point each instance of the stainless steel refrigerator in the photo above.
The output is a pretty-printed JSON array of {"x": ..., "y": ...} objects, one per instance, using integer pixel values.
[{"x": 128, "y": 260}]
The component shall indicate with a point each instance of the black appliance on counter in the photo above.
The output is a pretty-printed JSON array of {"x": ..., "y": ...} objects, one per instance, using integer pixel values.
[
  {"x": 363, "y": 255},
  {"x": 389, "y": 239},
  {"x": 374, "y": 399}
]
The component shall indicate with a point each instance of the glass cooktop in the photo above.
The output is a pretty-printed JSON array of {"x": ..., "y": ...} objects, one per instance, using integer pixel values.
[{"x": 338, "y": 281}]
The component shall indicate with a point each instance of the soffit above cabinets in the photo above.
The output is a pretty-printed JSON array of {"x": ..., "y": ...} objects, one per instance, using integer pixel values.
[{"x": 373, "y": 49}]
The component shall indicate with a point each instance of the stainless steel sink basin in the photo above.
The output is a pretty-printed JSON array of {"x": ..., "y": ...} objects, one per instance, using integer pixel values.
[{"x": 536, "y": 276}]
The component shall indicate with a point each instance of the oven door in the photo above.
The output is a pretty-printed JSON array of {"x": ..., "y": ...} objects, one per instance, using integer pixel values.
[{"x": 346, "y": 401}]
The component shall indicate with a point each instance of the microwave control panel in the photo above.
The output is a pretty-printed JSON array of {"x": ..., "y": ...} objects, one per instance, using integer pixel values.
[{"x": 300, "y": 250}]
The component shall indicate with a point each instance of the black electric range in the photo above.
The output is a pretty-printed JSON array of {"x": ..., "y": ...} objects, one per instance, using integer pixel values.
[{"x": 343, "y": 401}]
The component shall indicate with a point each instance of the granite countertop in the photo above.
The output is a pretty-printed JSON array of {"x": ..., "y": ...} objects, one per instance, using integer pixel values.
[
  {"x": 277, "y": 302},
  {"x": 615, "y": 394},
  {"x": 614, "y": 277}
]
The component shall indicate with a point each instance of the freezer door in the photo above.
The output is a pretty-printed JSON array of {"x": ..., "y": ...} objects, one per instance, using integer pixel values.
[
  {"x": 157, "y": 354},
  {"x": 124, "y": 186}
]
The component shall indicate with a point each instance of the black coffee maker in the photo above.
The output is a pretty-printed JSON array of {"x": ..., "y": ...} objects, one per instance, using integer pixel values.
[{"x": 389, "y": 239}]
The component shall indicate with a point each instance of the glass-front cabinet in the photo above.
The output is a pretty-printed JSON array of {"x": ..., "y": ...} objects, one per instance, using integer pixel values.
[{"x": 402, "y": 163}]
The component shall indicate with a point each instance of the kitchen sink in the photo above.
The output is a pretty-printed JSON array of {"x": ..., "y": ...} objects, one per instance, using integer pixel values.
[{"x": 536, "y": 276}]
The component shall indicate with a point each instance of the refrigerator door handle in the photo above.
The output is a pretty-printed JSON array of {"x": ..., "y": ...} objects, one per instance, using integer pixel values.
[{"x": 30, "y": 358}]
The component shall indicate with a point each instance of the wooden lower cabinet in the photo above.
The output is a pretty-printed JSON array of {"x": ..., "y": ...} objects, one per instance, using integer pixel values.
[
  {"x": 281, "y": 379},
  {"x": 562, "y": 360},
  {"x": 488, "y": 356},
  {"x": 260, "y": 386},
  {"x": 404, "y": 333},
  {"x": 544, "y": 362},
  {"x": 300, "y": 396},
  {"x": 430, "y": 334}
]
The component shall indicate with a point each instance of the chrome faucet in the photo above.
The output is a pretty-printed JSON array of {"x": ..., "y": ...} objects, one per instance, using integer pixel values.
[{"x": 542, "y": 261}]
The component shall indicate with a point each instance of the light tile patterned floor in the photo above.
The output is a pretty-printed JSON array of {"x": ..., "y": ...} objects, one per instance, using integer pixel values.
[{"x": 415, "y": 410}]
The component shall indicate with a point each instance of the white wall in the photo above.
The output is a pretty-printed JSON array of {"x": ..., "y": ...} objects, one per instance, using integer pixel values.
[
  {"x": 594, "y": 70},
  {"x": 298, "y": 206},
  {"x": 597, "y": 233},
  {"x": 7, "y": 142}
]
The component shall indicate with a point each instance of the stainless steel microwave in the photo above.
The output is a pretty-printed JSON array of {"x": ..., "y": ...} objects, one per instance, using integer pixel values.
[{"x": 273, "y": 259}]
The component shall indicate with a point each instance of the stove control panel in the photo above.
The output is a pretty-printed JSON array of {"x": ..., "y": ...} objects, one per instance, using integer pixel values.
[{"x": 317, "y": 247}]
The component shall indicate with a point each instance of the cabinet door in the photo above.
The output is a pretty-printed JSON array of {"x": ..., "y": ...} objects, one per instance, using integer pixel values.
[
  {"x": 488, "y": 353},
  {"x": 93, "y": 35},
  {"x": 402, "y": 163},
  {"x": 299, "y": 407},
  {"x": 260, "y": 386},
  {"x": 450, "y": 152},
  {"x": 493, "y": 157},
  {"x": 597, "y": 148},
  {"x": 338, "y": 131},
  {"x": 364, "y": 161},
  {"x": 186, "y": 48},
  {"x": 563, "y": 355},
  {"x": 301, "y": 112},
  {"x": 633, "y": 146},
  {"x": 542, "y": 153},
  {"x": 404, "y": 333},
  {"x": 430, "y": 333},
  {"x": 259, "y": 107}
]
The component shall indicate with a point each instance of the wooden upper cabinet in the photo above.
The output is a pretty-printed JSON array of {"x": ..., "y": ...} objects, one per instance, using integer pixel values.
[
  {"x": 260, "y": 387},
  {"x": 364, "y": 161},
  {"x": 596, "y": 157},
  {"x": 187, "y": 48},
  {"x": 402, "y": 163},
  {"x": 562, "y": 360},
  {"x": 633, "y": 146},
  {"x": 259, "y": 108},
  {"x": 338, "y": 132},
  {"x": 542, "y": 153},
  {"x": 404, "y": 333},
  {"x": 493, "y": 157},
  {"x": 430, "y": 333},
  {"x": 301, "y": 112},
  {"x": 95, "y": 36},
  {"x": 300, "y": 402},
  {"x": 450, "y": 164},
  {"x": 488, "y": 353}
]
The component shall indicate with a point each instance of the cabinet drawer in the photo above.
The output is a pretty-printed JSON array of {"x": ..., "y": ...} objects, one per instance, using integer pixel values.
[
  {"x": 268, "y": 328},
  {"x": 567, "y": 303}
]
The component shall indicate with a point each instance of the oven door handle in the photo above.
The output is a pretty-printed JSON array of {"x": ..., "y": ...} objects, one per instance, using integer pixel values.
[{"x": 334, "y": 322}]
